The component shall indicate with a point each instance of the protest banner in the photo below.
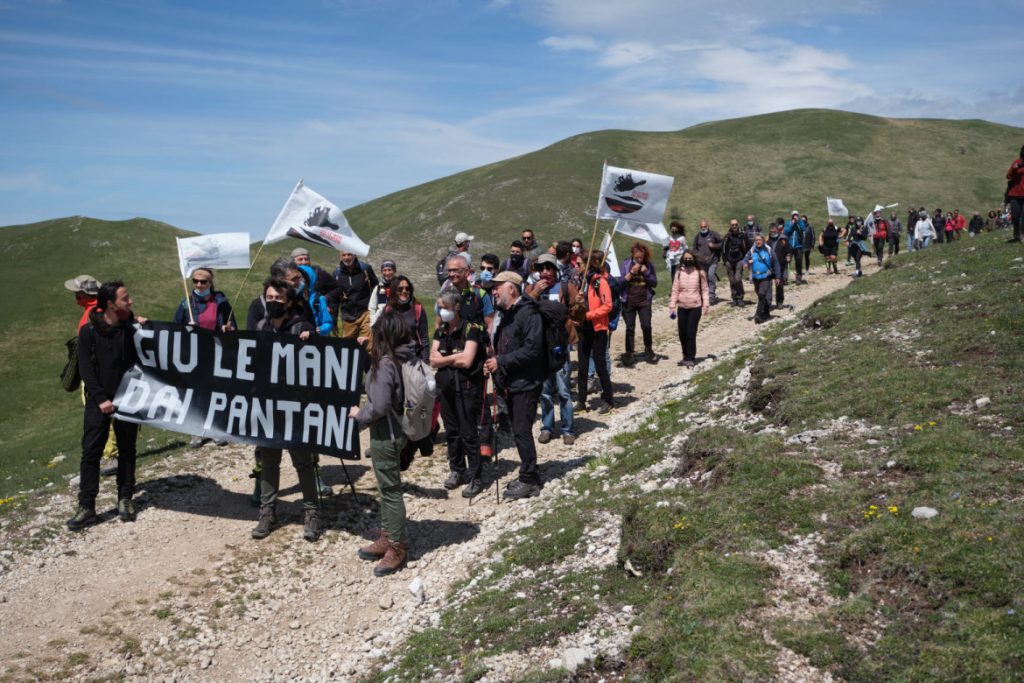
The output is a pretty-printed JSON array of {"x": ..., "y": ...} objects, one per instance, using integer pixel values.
[
  {"x": 258, "y": 388},
  {"x": 635, "y": 195}
]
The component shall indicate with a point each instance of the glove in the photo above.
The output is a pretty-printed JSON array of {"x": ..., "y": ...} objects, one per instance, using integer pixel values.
[{"x": 672, "y": 315}]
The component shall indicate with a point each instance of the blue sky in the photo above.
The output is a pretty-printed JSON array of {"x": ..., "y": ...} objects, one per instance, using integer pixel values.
[{"x": 205, "y": 114}]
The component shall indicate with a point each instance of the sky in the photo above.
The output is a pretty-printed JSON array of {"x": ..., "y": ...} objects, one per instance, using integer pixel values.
[{"x": 204, "y": 115}]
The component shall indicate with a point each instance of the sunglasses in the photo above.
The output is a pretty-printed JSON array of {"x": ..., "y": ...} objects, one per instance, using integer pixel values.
[
  {"x": 197, "y": 281},
  {"x": 489, "y": 269},
  {"x": 456, "y": 270},
  {"x": 403, "y": 289}
]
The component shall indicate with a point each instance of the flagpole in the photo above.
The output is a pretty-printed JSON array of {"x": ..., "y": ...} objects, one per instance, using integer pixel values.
[
  {"x": 593, "y": 236},
  {"x": 188, "y": 302},
  {"x": 246, "y": 278}
]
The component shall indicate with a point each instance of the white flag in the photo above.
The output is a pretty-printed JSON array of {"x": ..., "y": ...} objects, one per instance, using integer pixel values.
[
  {"x": 836, "y": 207},
  {"x": 635, "y": 195},
  {"x": 609, "y": 255},
  {"x": 308, "y": 216},
  {"x": 223, "y": 250},
  {"x": 649, "y": 232}
]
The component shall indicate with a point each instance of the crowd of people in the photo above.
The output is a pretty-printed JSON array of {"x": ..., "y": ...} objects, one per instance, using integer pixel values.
[{"x": 506, "y": 334}]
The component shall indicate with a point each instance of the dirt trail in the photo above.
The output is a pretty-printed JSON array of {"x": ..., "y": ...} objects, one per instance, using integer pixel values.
[{"x": 184, "y": 593}]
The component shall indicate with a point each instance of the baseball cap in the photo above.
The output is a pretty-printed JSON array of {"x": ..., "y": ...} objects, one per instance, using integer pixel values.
[
  {"x": 795, "y": 213},
  {"x": 508, "y": 276},
  {"x": 300, "y": 251},
  {"x": 545, "y": 258},
  {"x": 86, "y": 284},
  {"x": 463, "y": 237}
]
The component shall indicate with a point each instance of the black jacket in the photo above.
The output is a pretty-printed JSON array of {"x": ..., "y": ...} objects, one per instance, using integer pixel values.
[
  {"x": 735, "y": 246},
  {"x": 105, "y": 353},
  {"x": 519, "y": 347},
  {"x": 352, "y": 288}
]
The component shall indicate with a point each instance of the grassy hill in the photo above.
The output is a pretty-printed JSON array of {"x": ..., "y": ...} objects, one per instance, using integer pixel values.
[{"x": 763, "y": 164}]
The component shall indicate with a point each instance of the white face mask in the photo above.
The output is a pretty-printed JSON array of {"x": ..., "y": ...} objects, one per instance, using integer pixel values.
[
  {"x": 575, "y": 250},
  {"x": 447, "y": 315}
]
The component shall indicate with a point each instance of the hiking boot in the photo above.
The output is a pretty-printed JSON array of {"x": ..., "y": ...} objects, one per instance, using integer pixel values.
[
  {"x": 83, "y": 517},
  {"x": 627, "y": 360},
  {"x": 568, "y": 439},
  {"x": 220, "y": 442},
  {"x": 473, "y": 489},
  {"x": 126, "y": 510},
  {"x": 454, "y": 480},
  {"x": 311, "y": 525},
  {"x": 605, "y": 408},
  {"x": 518, "y": 490},
  {"x": 377, "y": 549},
  {"x": 268, "y": 519},
  {"x": 651, "y": 357},
  {"x": 580, "y": 407},
  {"x": 544, "y": 437},
  {"x": 393, "y": 560}
]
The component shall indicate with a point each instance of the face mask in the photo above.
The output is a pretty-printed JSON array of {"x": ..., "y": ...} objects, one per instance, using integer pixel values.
[
  {"x": 704, "y": 231},
  {"x": 275, "y": 309},
  {"x": 516, "y": 260},
  {"x": 486, "y": 276},
  {"x": 122, "y": 314},
  {"x": 300, "y": 287},
  {"x": 688, "y": 262},
  {"x": 201, "y": 295},
  {"x": 750, "y": 223},
  {"x": 447, "y": 315},
  {"x": 575, "y": 250}
]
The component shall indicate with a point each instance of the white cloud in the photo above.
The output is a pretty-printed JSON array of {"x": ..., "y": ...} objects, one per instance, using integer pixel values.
[
  {"x": 21, "y": 180},
  {"x": 628, "y": 54},
  {"x": 570, "y": 43}
]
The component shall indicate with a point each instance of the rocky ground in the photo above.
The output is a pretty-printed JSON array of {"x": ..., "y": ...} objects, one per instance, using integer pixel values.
[{"x": 184, "y": 593}]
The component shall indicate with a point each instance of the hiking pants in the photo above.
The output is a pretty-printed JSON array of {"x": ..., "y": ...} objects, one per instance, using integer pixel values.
[
  {"x": 1017, "y": 216},
  {"x": 629, "y": 314},
  {"x": 711, "y": 270},
  {"x": 687, "y": 320},
  {"x": 95, "y": 432},
  {"x": 807, "y": 260},
  {"x": 910, "y": 242},
  {"x": 894, "y": 245},
  {"x": 780, "y": 288},
  {"x": 593, "y": 347},
  {"x": 556, "y": 386},
  {"x": 798, "y": 261},
  {"x": 360, "y": 327},
  {"x": 764, "y": 298},
  {"x": 461, "y": 406},
  {"x": 522, "y": 410},
  {"x": 384, "y": 453},
  {"x": 879, "y": 248},
  {"x": 270, "y": 475},
  {"x": 735, "y": 273}
]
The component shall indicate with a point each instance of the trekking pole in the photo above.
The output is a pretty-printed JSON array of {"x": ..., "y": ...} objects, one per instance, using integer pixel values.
[
  {"x": 348, "y": 476},
  {"x": 246, "y": 277}
]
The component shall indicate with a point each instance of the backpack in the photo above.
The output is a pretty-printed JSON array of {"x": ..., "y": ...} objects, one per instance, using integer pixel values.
[
  {"x": 760, "y": 266},
  {"x": 421, "y": 392},
  {"x": 616, "y": 288},
  {"x": 442, "y": 269},
  {"x": 556, "y": 337},
  {"x": 69, "y": 377}
]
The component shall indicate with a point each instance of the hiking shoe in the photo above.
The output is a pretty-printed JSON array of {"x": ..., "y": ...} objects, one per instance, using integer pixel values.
[
  {"x": 311, "y": 525},
  {"x": 627, "y": 360},
  {"x": 518, "y": 490},
  {"x": 473, "y": 489},
  {"x": 544, "y": 437},
  {"x": 605, "y": 408},
  {"x": 220, "y": 442},
  {"x": 580, "y": 407},
  {"x": 393, "y": 560},
  {"x": 688, "y": 363},
  {"x": 325, "y": 490},
  {"x": 454, "y": 480},
  {"x": 126, "y": 510},
  {"x": 377, "y": 549},
  {"x": 651, "y": 357},
  {"x": 268, "y": 518},
  {"x": 83, "y": 517}
]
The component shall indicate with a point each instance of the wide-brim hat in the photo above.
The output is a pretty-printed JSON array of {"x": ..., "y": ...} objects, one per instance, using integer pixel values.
[{"x": 86, "y": 284}]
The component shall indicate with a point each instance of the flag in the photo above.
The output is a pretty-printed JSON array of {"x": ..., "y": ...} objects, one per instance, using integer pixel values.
[
  {"x": 636, "y": 195},
  {"x": 308, "y": 216},
  {"x": 649, "y": 232},
  {"x": 609, "y": 255},
  {"x": 836, "y": 207},
  {"x": 222, "y": 250},
  {"x": 879, "y": 207}
]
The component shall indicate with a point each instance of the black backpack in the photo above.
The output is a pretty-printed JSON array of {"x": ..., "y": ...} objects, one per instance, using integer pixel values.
[
  {"x": 556, "y": 337},
  {"x": 442, "y": 269}
]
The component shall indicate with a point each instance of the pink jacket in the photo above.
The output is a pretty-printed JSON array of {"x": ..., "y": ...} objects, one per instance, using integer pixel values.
[{"x": 689, "y": 290}]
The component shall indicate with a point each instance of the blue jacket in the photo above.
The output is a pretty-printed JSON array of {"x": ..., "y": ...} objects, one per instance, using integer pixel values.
[
  {"x": 794, "y": 231},
  {"x": 322, "y": 318},
  {"x": 762, "y": 263}
]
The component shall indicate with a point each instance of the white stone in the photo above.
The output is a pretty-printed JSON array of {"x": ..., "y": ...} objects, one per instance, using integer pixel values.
[
  {"x": 575, "y": 657},
  {"x": 923, "y": 513},
  {"x": 417, "y": 588},
  {"x": 982, "y": 402},
  {"x": 386, "y": 601}
]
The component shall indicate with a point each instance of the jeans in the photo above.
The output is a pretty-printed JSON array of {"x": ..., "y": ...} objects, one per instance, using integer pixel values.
[
  {"x": 522, "y": 410},
  {"x": 384, "y": 454},
  {"x": 711, "y": 270},
  {"x": 592, "y": 345},
  {"x": 735, "y": 273},
  {"x": 557, "y": 384},
  {"x": 910, "y": 242},
  {"x": 924, "y": 242},
  {"x": 461, "y": 409},
  {"x": 95, "y": 432},
  {"x": 270, "y": 476},
  {"x": 686, "y": 321},
  {"x": 629, "y": 314}
]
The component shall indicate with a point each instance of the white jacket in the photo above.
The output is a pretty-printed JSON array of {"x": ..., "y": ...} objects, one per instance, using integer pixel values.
[{"x": 924, "y": 228}]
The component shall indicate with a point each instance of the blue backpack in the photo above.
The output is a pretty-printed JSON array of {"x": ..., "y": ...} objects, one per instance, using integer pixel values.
[{"x": 613, "y": 317}]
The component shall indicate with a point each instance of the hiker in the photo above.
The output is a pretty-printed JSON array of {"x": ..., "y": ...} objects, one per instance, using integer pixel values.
[
  {"x": 462, "y": 244},
  {"x": 106, "y": 351},
  {"x": 752, "y": 228},
  {"x": 828, "y": 242},
  {"x": 794, "y": 231},
  {"x": 382, "y": 292},
  {"x": 577, "y": 253},
  {"x": 895, "y": 234},
  {"x": 1015, "y": 195},
  {"x": 764, "y": 270},
  {"x": 912, "y": 217},
  {"x": 324, "y": 281},
  {"x": 284, "y": 318},
  {"x": 708, "y": 245},
  {"x": 809, "y": 242},
  {"x": 211, "y": 309},
  {"x": 402, "y": 300},
  {"x": 976, "y": 225},
  {"x": 457, "y": 352},
  {"x": 734, "y": 249},
  {"x": 392, "y": 345},
  {"x": 881, "y": 235},
  {"x": 477, "y": 305},
  {"x": 782, "y": 256},
  {"x": 489, "y": 265},
  {"x": 354, "y": 281},
  {"x": 258, "y": 307},
  {"x": 592, "y": 334},
  {"x": 638, "y": 280},
  {"x": 531, "y": 249},
  {"x": 593, "y": 379},
  {"x": 939, "y": 223},
  {"x": 859, "y": 246},
  {"x": 555, "y": 282},
  {"x": 959, "y": 223},
  {"x": 516, "y": 261},
  {"x": 517, "y": 367},
  {"x": 687, "y": 303},
  {"x": 924, "y": 231},
  {"x": 673, "y": 251},
  {"x": 950, "y": 227},
  {"x": 847, "y": 235}
]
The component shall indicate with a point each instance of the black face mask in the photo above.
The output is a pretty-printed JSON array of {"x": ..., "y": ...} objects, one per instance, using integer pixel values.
[
  {"x": 516, "y": 260},
  {"x": 688, "y": 262},
  {"x": 276, "y": 309}
]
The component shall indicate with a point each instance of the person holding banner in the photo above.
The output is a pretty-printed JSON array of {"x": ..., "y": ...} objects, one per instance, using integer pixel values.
[
  {"x": 283, "y": 318},
  {"x": 392, "y": 345},
  {"x": 105, "y": 353},
  {"x": 639, "y": 280},
  {"x": 689, "y": 301}
]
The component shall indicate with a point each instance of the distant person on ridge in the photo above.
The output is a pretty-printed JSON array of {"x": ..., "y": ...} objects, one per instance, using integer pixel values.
[
  {"x": 1015, "y": 195},
  {"x": 354, "y": 281},
  {"x": 924, "y": 231},
  {"x": 707, "y": 245},
  {"x": 939, "y": 223},
  {"x": 976, "y": 225},
  {"x": 106, "y": 351}
]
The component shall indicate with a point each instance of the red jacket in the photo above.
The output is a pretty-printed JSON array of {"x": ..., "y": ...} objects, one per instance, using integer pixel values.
[
  {"x": 881, "y": 228},
  {"x": 1016, "y": 177}
]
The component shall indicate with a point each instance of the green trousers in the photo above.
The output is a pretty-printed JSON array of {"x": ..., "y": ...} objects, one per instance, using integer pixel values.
[
  {"x": 386, "y": 443},
  {"x": 270, "y": 475}
]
